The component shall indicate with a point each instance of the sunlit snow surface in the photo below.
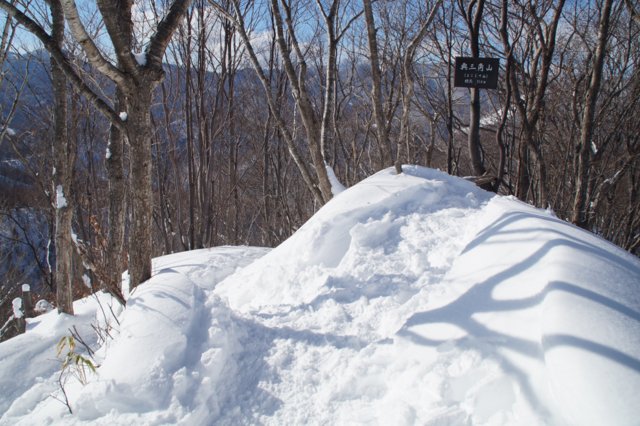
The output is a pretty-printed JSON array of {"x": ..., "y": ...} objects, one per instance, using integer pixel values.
[{"x": 411, "y": 299}]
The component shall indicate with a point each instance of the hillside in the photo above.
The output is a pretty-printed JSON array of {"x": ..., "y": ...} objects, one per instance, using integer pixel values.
[{"x": 411, "y": 299}]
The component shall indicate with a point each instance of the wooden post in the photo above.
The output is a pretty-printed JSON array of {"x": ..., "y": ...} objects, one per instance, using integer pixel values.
[
  {"x": 18, "y": 316},
  {"x": 27, "y": 303}
]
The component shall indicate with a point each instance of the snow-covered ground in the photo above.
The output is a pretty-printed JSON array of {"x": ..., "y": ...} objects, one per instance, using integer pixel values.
[{"x": 411, "y": 299}]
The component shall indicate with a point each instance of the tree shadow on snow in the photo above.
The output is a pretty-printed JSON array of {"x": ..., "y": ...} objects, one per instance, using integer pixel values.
[{"x": 479, "y": 299}]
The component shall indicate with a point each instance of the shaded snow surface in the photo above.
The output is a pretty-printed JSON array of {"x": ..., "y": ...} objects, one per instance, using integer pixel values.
[{"x": 411, "y": 299}]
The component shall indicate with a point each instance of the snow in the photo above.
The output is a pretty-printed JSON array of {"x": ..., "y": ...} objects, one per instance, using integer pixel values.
[
  {"x": 61, "y": 201},
  {"x": 141, "y": 58},
  {"x": 123, "y": 116},
  {"x": 86, "y": 280},
  {"x": 9, "y": 131},
  {"x": 408, "y": 299},
  {"x": 42, "y": 306},
  {"x": 336, "y": 186},
  {"x": 16, "y": 304}
]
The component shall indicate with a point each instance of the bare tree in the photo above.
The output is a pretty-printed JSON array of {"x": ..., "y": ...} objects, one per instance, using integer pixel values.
[
  {"x": 408, "y": 83},
  {"x": 298, "y": 81},
  {"x": 135, "y": 76},
  {"x": 444, "y": 40},
  {"x": 320, "y": 191},
  {"x": 529, "y": 76},
  {"x": 472, "y": 14},
  {"x": 65, "y": 154},
  {"x": 579, "y": 216},
  {"x": 6, "y": 41},
  {"x": 382, "y": 126}
]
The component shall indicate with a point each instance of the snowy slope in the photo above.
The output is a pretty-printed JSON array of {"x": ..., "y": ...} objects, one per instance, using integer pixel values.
[{"x": 411, "y": 299}]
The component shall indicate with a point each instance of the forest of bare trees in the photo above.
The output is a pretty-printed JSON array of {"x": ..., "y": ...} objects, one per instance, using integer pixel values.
[{"x": 133, "y": 129}]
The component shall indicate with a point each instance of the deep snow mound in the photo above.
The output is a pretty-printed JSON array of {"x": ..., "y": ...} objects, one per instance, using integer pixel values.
[
  {"x": 419, "y": 298},
  {"x": 148, "y": 371},
  {"x": 557, "y": 307},
  {"x": 407, "y": 299},
  {"x": 379, "y": 237}
]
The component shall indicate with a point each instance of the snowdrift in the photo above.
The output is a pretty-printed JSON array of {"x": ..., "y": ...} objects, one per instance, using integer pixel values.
[{"x": 410, "y": 299}]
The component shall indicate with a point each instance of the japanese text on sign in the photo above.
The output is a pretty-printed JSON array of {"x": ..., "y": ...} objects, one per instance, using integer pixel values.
[{"x": 480, "y": 73}]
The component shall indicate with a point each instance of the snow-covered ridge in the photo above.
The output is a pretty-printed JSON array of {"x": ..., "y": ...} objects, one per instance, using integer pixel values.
[{"x": 411, "y": 299}]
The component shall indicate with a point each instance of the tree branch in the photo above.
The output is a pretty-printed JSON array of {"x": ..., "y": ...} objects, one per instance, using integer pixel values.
[
  {"x": 160, "y": 40},
  {"x": 117, "y": 20},
  {"x": 94, "y": 55},
  {"x": 63, "y": 62}
]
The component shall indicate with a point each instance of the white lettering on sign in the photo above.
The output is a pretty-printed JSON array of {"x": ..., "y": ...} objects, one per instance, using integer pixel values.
[
  {"x": 469, "y": 75},
  {"x": 476, "y": 72},
  {"x": 472, "y": 67}
]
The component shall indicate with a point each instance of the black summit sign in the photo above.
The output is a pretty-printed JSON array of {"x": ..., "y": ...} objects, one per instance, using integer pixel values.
[{"x": 481, "y": 73}]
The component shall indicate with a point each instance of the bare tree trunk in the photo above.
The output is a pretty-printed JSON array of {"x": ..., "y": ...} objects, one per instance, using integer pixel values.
[
  {"x": 475, "y": 149},
  {"x": 115, "y": 172},
  {"x": 330, "y": 76},
  {"x": 116, "y": 256},
  {"x": 382, "y": 132},
  {"x": 234, "y": 142},
  {"x": 65, "y": 152},
  {"x": 500, "y": 172},
  {"x": 473, "y": 20},
  {"x": 447, "y": 56},
  {"x": 502, "y": 160},
  {"x": 301, "y": 94},
  {"x": 191, "y": 158},
  {"x": 139, "y": 131},
  {"x": 450, "y": 112},
  {"x": 523, "y": 184},
  {"x": 579, "y": 214},
  {"x": 408, "y": 82}
]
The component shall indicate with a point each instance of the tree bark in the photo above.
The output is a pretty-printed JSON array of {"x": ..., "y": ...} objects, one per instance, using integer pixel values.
[
  {"x": 65, "y": 153},
  {"x": 376, "y": 86},
  {"x": 139, "y": 131},
  {"x": 301, "y": 95},
  {"x": 330, "y": 76},
  {"x": 475, "y": 149},
  {"x": 116, "y": 255},
  {"x": 473, "y": 20}
]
